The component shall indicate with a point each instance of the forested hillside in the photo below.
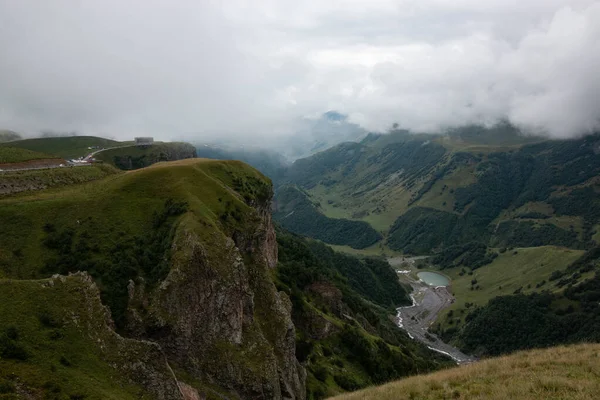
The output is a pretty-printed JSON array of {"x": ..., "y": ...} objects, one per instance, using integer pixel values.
[
  {"x": 294, "y": 211},
  {"x": 341, "y": 307},
  {"x": 504, "y": 215},
  {"x": 427, "y": 193},
  {"x": 563, "y": 308},
  {"x": 142, "y": 283}
]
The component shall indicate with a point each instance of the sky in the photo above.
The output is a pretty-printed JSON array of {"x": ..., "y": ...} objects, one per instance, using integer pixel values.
[{"x": 250, "y": 68}]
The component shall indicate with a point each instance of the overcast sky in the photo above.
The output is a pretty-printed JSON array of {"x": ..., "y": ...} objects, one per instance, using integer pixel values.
[{"x": 176, "y": 68}]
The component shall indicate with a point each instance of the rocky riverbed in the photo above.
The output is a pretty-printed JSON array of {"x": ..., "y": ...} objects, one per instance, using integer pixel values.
[{"x": 428, "y": 302}]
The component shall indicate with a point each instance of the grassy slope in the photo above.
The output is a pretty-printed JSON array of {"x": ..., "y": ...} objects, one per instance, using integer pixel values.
[
  {"x": 378, "y": 198},
  {"x": 385, "y": 181},
  {"x": 54, "y": 326},
  {"x": 377, "y": 249},
  {"x": 20, "y": 181},
  {"x": 16, "y": 154},
  {"x": 566, "y": 222},
  {"x": 507, "y": 273},
  {"x": 382, "y": 204},
  {"x": 114, "y": 208},
  {"x": 560, "y": 373},
  {"x": 119, "y": 207},
  {"x": 65, "y": 147},
  {"x": 298, "y": 213}
]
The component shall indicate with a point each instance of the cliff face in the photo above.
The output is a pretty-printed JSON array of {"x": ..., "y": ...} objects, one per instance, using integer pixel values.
[
  {"x": 68, "y": 347},
  {"x": 218, "y": 315},
  {"x": 135, "y": 157},
  {"x": 183, "y": 254}
]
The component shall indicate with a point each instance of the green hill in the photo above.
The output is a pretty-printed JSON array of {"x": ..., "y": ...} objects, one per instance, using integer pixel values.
[
  {"x": 427, "y": 192},
  {"x": 512, "y": 220},
  {"x": 33, "y": 180},
  {"x": 569, "y": 373},
  {"x": 129, "y": 157},
  {"x": 56, "y": 343},
  {"x": 123, "y": 155},
  {"x": 65, "y": 147},
  {"x": 293, "y": 210},
  {"x": 341, "y": 307},
  {"x": 105, "y": 280},
  {"x": 16, "y": 155},
  {"x": 135, "y": 230}
]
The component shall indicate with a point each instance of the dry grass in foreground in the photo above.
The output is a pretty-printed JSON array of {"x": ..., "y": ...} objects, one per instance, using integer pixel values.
[{"x": 566, "y": 372}]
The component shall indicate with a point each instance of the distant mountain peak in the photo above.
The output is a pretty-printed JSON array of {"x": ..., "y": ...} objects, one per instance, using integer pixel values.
[{"x": 334, "y": 116}]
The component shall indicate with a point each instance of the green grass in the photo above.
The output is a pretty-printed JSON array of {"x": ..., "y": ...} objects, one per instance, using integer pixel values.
[
  {"x": 381, "y": 205},
  {"x": 119, "y": 207},
  {"x": 596, "y": 236},
  {"x": 378, "y": 249},
  {"x": 380, "y": 209},
  {"x": 61, "y": 334},
  {"x": 507, "y": 273},
  {"x": 566, "y": 222},
  {"x": 16, "y": 154},
  {"x": 569, "y": 373},
  {"x": 441, "y": 195},
  {"x": 23, "y": 181},
  {"x": 116, "y": 211},
  {"x": 65, "y": 147}
]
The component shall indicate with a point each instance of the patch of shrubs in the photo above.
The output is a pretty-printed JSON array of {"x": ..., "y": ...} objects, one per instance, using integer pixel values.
[
  {"x": 346, "y": 382},
  {"x": 146, "y": 255},
  {"x": 10, "y": 347}
]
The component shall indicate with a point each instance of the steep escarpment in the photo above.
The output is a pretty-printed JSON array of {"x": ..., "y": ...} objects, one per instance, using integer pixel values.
[
  {"x": 342, "y": 310},
  {"x": 183, "y": 254},
  {"x": 218, "y": 315},
  {"x": 130, "y": 157},
  {"x": 57, "y": 341}
]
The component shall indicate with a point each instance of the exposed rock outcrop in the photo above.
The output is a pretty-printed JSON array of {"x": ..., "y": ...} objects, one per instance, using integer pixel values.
[
  {"x": 218, "y": 314},
  {"x": 142, "y": 362}
]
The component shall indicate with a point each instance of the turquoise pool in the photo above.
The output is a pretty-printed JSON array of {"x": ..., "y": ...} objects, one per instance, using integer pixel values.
[{"x": 433, "y": 278}]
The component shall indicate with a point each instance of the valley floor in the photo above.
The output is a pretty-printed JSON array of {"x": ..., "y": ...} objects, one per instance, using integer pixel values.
[
  {"x": 428, "y": 302},
  {"x": 565, "y": 372}
]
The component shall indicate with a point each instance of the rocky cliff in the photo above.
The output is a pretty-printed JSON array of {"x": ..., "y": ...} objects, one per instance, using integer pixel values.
[
  {"x": 135, "y": 157},
  {"x": 182, "y": 254},
  {"x": 218, "y": 316}
]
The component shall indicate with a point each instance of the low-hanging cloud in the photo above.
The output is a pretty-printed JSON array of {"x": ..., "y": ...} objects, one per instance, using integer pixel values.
[{"x": 184, "y": 68}]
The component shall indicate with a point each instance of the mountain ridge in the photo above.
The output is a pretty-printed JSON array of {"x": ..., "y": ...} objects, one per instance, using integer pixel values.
[
  {"x": 380, "y": 179},
  {"x": 182, "y": 257}
]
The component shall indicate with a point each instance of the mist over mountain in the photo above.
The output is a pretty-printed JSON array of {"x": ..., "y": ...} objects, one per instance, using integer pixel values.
[
  {"x": 318, "y": 134},
  {"x": 279, "y": 199},
  {"x": 241, "y": 71}
]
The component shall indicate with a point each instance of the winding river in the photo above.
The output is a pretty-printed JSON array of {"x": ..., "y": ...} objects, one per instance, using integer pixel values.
[{"x": 430, "y": 296}]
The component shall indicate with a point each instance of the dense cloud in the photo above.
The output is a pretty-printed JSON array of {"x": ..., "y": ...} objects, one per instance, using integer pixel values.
[{"x": 184, "y": 68}]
